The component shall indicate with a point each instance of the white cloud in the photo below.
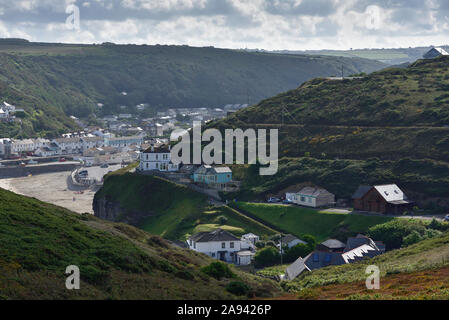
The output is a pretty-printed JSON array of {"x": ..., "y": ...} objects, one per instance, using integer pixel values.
[{"x": 269, "y": 24}]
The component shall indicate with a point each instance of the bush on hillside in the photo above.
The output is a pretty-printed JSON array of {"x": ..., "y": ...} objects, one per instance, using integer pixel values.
[
  {"x": 267, "y": 257},
  {"x": 238, "y": 288},
  {"x": 222, "y": 220},
  {"x": 218, "y": 270},
  {"x": 401, "y": 233},
  {"x": 293, "y": 253}
]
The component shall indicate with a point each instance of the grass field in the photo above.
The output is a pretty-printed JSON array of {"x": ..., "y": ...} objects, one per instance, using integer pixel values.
[{"x": 300, "y": 221}]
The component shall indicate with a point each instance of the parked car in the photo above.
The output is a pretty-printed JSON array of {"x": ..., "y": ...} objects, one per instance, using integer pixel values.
[
  {"x": 274, "y": 200},
  {"x": 105, "y": 165},
  {"x": 446, "y": 218},
  {"x": 286, "y": 201},
  {"x": 62, "y": 160}
]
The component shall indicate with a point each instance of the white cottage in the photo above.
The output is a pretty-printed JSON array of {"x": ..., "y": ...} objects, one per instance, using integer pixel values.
[
  {"x": 157, "y": 158},
  {"x": 222, "y": 245},
  {"x": 311, "y": 197}
]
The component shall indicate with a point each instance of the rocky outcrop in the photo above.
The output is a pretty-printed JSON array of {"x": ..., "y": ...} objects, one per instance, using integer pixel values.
[{"x": 108, "y": 209}]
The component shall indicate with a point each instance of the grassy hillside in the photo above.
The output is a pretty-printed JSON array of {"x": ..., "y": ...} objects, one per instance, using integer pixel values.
[
  {"x": 72, "y": 79},
  {"x": 301, "y": 221},
  {"x": 117, "y": 261},
  {"x": 424, "y": 181},
  {"x": 415, "y": 272},
  {"x": 384, "y": 106},
  {"x": 166, "y": 209},
  {"x": 391, "y": 126}
]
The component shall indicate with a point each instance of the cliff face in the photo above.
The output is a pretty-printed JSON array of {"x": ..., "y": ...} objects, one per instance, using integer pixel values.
[{"x": 108, "y": 209}]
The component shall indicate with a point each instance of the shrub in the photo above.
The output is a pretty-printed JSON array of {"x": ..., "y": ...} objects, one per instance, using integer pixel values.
[
  {"x": 218, "y": 270},
  {"x": 260, "y": 244},
  {"x": 183, "y": 274},
  {"x": 300, "y": 250},
  {"x": 238, "y": 288},
  {"x": 412, "y": 238},
  {"x": 222, "y": 220},
  {"x": 267, "y": 257}
]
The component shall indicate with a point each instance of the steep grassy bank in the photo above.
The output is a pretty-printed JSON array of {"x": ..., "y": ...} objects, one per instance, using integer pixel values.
[
  {"x": 166, "y": 209},
  {"x": 116, "y": 261}
]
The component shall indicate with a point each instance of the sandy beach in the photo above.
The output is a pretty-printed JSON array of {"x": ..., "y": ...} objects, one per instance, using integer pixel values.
[{"x": 51, "y": 188}]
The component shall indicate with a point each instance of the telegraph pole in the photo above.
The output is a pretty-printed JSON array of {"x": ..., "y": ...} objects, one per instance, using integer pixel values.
[{"x": 281, "y": 249}]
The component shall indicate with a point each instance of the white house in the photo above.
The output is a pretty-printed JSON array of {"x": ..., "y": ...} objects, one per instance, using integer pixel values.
[
  {"x": 222, "y": 245},
  {"x": 251, "y": 237},
  {"x": 25, "y": 145},
  {"x": 69, "y": 145},
  {"x": 290, "y": 241},
  {"x": 435, "y": 53},
  {"x": 157, "y": 158},
  {"x": 311, "y": 197},
  {"x": 5, "y": 147},
  {"x": 91, "y": 142},
  {"x": 45, "y": 152}
]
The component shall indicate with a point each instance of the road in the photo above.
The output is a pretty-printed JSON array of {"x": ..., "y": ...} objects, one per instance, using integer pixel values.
[{"x": 98, "y": 173}]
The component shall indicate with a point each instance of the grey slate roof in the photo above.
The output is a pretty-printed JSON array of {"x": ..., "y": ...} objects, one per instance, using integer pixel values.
[
  {"x": 295, "y": 269},
  {"x": 333, "y": 244},
  {"x": 207, "y": 169},
  {"x": 313, "y": 192},
  {"x": 359, "y": 241},
  {"x": 289, "y": 238},
  {"x": 216, "y": 235},
  {"x": 322, "y": 259},
  {"x": 361, "y": 191}
]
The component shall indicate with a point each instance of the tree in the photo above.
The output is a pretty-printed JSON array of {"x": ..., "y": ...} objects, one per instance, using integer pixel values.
[
  {"x": 300, "y": 250},
  {"x": 267, "y": 257}
]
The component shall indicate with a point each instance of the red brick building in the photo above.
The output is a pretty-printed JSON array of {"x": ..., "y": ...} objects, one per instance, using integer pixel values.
[{"x": 385, "y": 199}]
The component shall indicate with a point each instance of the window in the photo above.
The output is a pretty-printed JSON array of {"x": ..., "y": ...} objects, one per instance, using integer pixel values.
[
  {"x": 232, "y": 245},
  {"x": 303, "y": 199},
  {"x": 223, "y": 245},
  {"x": 213, "y": 254},
  {"x": 316, "y": 257},
  {"x": 194, "y": 244}
]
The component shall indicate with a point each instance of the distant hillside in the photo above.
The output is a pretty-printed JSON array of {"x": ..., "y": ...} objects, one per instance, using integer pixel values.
[
  {"x": 390, "y": 56},
  {"x": 73, "y": 79},
  {"x": 116, "y": 261},
  {"x": 389, "y": 114},
  {"x": 389, "y": 126}
]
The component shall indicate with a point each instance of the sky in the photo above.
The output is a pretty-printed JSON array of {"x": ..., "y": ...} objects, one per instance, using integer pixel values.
[{"x": 261, "y": 24}]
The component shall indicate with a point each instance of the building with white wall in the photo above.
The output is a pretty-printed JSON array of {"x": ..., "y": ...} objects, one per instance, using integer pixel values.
[
  {"x": 223, "y": 246},
  {"x": 311, "y": 197},
  {"x": 157, "y": 158}
]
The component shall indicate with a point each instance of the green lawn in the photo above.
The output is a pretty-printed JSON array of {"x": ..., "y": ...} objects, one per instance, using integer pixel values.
[{"x": 300, "y": 221}]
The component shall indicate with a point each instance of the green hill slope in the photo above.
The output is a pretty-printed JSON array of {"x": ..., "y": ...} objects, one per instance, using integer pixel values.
[
  {"x": 389, "y": 126},
  {"x": 116, "y": 261},
  {"x": 167, "y": 209},
  {"x": 72, "y": 79}
]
